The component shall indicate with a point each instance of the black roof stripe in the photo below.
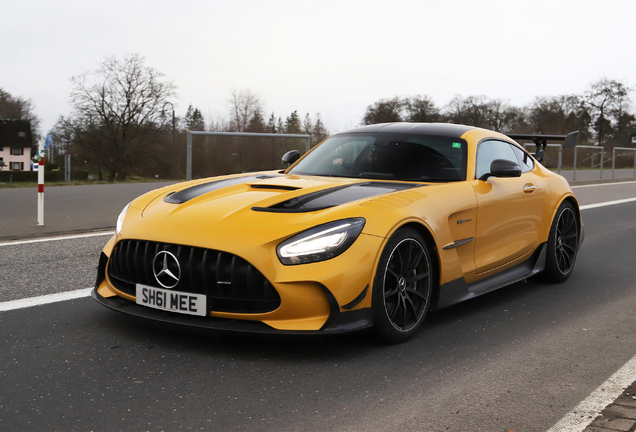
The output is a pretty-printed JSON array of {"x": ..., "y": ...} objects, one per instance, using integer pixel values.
[{"x": 440, "y": 129}]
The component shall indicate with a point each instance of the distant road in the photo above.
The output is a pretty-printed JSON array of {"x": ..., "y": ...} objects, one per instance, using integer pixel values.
[
  {"x": 589, "y": 174},
  {"x": 66, "y": 208}
]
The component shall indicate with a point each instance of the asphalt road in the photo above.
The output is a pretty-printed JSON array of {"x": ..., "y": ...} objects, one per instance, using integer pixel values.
[
  {"x": 66, "y": 208},
  {"x": 516, "y": 359}
]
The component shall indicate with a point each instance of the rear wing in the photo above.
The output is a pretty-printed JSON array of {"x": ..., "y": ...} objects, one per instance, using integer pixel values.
[{"x": 541, "y": 141}]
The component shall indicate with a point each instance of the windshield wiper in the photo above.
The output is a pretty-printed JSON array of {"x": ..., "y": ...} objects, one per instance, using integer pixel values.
[
  {"x": 379, "y": 175},
  {"x": 433, "y": 179}
]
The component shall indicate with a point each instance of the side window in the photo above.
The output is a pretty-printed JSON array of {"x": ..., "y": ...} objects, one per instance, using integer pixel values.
[
  {"x": 488, "y": 151},
  {"x": 525, "y": 162}
]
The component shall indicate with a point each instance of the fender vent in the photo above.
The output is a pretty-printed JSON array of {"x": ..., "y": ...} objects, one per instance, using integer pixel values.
[{"x": 276, "y": 187}]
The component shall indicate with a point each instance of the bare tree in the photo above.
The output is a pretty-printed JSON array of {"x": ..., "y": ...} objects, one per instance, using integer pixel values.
[
  {"x": 384, "y": 111},
  {"x": 454, "y": 110},
  {"x": 471, "y": 110},
  {"x": 244, "y": 106},
  {"x": 502, "y": 117},
  {"x": 606, "y": 97},
  {"x": 116, "y": 113},
  {"x": 421, "y": 108}
]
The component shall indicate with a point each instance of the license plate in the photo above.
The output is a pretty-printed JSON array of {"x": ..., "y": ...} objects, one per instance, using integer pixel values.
[{"x": 173, "y": 301}]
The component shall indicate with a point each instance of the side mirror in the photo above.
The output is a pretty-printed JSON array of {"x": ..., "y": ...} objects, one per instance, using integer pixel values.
[
  {"x": 503, "y": 168},
  {"x": 290, "y": 157}
]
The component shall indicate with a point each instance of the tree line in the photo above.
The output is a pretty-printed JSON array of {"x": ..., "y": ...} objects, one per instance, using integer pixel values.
[
  {"x": 120, "y": 123},
  {"x": 601, "y": 114}
]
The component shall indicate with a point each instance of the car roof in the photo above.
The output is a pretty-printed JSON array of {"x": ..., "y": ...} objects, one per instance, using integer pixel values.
[{"x": 442, "y": 129}]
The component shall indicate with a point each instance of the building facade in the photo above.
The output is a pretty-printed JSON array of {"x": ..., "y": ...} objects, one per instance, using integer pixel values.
[{"x": 15, "y": 145}]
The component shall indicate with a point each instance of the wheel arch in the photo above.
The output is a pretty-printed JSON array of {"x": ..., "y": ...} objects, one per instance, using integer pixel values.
[
  {"x": 424, "y": 231},
  {"x": 572, "y": 200}
]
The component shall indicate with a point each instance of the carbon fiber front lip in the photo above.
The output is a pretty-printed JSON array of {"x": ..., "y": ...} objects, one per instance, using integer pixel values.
[{"x": 346, "y": 322}]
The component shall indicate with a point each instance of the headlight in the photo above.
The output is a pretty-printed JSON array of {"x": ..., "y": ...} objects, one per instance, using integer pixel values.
[
  {"x": 320, "y": 243},
  {"x": 120, "y": 219}
]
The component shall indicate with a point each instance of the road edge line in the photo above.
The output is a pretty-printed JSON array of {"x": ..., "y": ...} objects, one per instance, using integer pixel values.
[
  {"x": 45, "y": 299},
  {"x": 590, "y": 408},
  {"x": 606, "y": 203},
  {"x": 603, "y": 184}
]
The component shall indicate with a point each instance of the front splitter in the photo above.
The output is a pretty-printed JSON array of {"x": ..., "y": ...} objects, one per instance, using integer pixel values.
[{"x": 346, "y": 322}]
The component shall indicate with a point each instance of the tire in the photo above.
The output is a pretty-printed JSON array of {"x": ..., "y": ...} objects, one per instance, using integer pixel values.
[
  {"x": 563, "y": 244},
  {"x": 402, "y": 286}
]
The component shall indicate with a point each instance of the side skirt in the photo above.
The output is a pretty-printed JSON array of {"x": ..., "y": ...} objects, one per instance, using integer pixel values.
[{"x": 457, "y": 290}]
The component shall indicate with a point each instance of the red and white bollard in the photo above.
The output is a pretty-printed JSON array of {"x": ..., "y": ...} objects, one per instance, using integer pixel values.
[{"x": 41, "y": 183}]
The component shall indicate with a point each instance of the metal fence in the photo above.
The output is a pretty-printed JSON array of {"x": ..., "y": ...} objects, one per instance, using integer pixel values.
[
  {"x": 560, "y": 147},
  {"x": 614, "y": 158},
  {"x": 236, "y": 134},
  {"x": 308, "y": 146},
  {"x": 601, "y": 164}
]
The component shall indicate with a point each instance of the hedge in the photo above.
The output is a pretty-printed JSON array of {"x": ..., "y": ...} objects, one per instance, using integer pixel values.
[{"x": 32, "y": 176}]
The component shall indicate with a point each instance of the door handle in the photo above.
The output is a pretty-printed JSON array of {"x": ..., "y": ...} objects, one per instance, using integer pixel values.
[{"x": 529, "y": 188}]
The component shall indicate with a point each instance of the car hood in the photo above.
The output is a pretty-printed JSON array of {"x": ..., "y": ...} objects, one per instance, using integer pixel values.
[
  {"x": 218, "y": 198},
  {"x": 265, "y": 205}
]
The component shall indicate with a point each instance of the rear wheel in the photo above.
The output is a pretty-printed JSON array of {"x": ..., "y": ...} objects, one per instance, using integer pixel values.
[
  {"x": 402, "y": 286},
  {"x": 563, "y": 244}
]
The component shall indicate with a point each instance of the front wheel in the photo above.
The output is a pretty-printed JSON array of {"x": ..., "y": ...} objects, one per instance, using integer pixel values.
[
  {"x": 563, "y": 244},
  {"x": 402, "y": 286}
]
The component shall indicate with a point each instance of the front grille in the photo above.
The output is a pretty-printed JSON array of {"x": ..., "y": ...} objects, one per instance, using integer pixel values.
[{"x": 230, "y": 283}]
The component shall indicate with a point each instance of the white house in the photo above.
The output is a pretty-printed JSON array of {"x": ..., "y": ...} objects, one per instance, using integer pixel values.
[{"x": 15, "y": 145}]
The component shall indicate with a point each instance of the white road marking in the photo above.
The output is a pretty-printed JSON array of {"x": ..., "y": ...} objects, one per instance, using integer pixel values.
[
  {"x": 602, "y": 184},
  {"x": 45, "y": 299},
  {"x": 606, "y": 203},
  {"x": 47, "y": 239},
  {"x": 584, "y": 413}
]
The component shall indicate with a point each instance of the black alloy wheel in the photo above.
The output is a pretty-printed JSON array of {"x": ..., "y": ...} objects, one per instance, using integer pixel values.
[
  {"x": 402, "y": 286},
  {"x": 563, "y": 244}
]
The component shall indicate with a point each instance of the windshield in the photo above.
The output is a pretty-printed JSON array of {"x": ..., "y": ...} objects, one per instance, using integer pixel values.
[{"x": 387, "y": 156}]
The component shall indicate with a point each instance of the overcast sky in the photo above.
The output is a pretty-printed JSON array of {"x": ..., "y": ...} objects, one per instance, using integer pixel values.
[{"x": 332, "y": 57}]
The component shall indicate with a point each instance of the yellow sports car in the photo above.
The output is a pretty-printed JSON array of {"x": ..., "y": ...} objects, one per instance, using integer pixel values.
[{"x": 372, "y": 228}]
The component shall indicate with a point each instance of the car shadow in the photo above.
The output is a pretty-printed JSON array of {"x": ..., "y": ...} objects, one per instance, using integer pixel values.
[{"x": 527, "y": 301}]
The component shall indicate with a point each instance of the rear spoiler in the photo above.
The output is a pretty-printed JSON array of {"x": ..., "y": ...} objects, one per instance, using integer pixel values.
[{"x": 541, "y": 141}]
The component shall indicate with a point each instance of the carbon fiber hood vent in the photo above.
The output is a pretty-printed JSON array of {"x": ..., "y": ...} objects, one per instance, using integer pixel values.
[{"x": 336, "y": 196}]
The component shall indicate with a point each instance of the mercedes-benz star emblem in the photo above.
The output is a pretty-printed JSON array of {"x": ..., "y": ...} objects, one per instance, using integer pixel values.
[{"x": 166, "y": 269}]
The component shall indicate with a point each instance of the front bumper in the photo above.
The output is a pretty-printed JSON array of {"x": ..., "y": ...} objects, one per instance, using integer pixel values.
[{"x": 317, "y": 298}]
